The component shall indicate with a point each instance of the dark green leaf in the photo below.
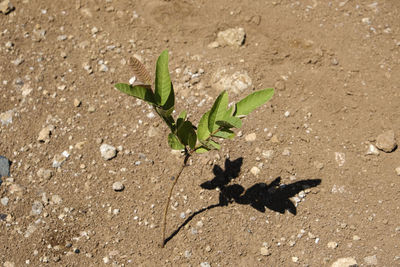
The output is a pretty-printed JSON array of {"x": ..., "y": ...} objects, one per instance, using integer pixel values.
[
  {"x": 137, "y": 91},
  {"x": 169, "y": 105},
  {"x": 202, "y": 129},
  {"x": 210, "y": 144},
  {"x": 174, "y": 142},
  {"x": 163, "y": 80},
  {"x": 253, "y": 101},
  {"x": 217, "y": 111},
  {"x": 187, "y": 134}
]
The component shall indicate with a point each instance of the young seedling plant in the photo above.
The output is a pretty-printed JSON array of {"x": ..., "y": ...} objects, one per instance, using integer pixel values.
[{"x": 216, "y": 123}]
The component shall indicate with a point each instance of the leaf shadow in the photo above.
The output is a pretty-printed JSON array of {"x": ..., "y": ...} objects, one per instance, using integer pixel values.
[{"x": 261, "y": 196}]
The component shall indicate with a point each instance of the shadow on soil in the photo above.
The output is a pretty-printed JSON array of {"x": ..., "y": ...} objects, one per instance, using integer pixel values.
[{"x": 274, "y": 196}]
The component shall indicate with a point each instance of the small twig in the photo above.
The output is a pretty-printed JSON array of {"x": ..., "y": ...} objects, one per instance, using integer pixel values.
[{"x": 164, "y": 225}]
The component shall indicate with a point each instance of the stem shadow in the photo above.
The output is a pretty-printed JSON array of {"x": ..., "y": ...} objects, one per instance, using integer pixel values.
[{"x": 261, "y": 196}]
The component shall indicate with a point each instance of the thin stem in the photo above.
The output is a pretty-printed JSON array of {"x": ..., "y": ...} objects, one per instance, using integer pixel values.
[{"x": 164, "y": 225}]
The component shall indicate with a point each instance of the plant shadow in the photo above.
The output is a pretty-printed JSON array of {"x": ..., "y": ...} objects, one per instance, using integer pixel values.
[{"x": 261, "y": 196}]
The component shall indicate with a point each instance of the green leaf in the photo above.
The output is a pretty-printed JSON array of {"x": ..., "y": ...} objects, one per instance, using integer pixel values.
[
  {"x": 174, "y": 142},
  {"x": 210, "y": 144},
  {"x": 201, "y": 150},
  {"x": 182, "y": 115},
  {"x": 163, "y": 80},
  {"x": 137, "y": 91},
  {"x": 230, "y": 122},
  {"x": 224, "y": 133},
  {"x": 202, "y": 129},
  {"x": 253, "y": 101},
  {"x": 187, "y": 134},
  {"x": 169, "y": 105},
  {"x": 217, "y": 111}
]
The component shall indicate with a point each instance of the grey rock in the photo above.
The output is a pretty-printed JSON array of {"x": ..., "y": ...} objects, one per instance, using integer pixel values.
[
  {"x": 4, "y": 201},
  {"x": 4, "y": 167},
  {"x": 37, "y": 208},
  {"x": 386, "y": 141},
  {"x": 231, "y": 37},
  {"x": 118, "y": 186},
  {"x": 107, "y": 151}
]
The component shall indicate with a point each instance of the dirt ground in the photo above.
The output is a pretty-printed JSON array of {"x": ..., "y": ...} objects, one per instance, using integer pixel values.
[{"x": 319, "y": 195}]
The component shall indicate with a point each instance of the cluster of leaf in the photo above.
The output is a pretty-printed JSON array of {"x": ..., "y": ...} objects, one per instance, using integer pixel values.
[{"x": 216, "y": 123}]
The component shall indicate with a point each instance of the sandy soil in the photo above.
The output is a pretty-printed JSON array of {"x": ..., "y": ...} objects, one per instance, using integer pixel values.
[{"x": 319, "y": 195}]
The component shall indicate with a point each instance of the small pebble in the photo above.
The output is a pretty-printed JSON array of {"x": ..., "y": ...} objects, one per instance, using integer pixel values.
[
  {"x": 386, "y": 141},
  {"x": 251, "y": 137},
  {"x": 255, "y": 171},
  {"x": 372, "y": 150},
  {"x": 77, "y": 102},
  {"x": 332, "y": 245},
  {"x": 118, "y": 186},
  {"x": 265, "y": 251},
  {"x": 4, "y": 167},
  {"x": 4, "y": 201},
  {"x": 108, "y": 152},
  {"x": 205, "y": 264},
  {"x": 287, "y": 114},
  {"x": 371, "y": 260},
  {"x": 398, "y": 171},
  {"x": 295, "y": 259},
  {"x": 37, "y": 207},
  {"x": 345, "y": 262}
]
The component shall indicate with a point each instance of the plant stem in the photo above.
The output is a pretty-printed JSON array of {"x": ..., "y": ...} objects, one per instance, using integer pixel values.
[{"x": 164, "y": 225}]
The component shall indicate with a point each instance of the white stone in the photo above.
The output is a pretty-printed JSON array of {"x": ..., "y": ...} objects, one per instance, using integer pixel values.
[
  {"x": 231, "y": 37},
  {"x": 268, "y": 154},
  {"x": 107, "y": 151},
  {"x": 398, "y": 170},
  {"x": 265, "y": 251},
  {"x": 118, "y": 186},
  {"x": 345, "y": 262},
  {"x": 372, "y": 150},
  {"x": 44, "y": 134},
  {"x": 236, "y": 82},
  {"x": 250, "y": 137},
  {"x": 287, "y": 114},
  {"x": 6, "y": 117},
  {"x": 340, "y": 158},
  {"x": 332, "y": 245},
  {"x": 255, "y": 171},
  {"x": 56, "y": 199}
]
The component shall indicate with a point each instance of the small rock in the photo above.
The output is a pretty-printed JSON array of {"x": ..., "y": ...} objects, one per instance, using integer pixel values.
[
  {"x": 188, "y": 253},
  {"x": 295, "y": 259},
  {"x": 118, "y": 186},
  {"x": 255, "y": 171},
  {"x": 398, "y": 171},
  {"x": 268, "y": 154},
  {"x": 108, "y": 152},
  {"x": 371, "y": 260},
  {"x": 103, "y": 68},
  {"x": 214, "y": 44},
  {"x": 4, "y": 167},
  {"x": 77, "y": 102},
  {"x": 44, "y": 134},
  {"x": 231, "y": 37},
  {"x": 286, "y": 152},
  {"x": 37, "y": 208},
  {"x": 8, "y": 264},
  {"x": 386, "y": 141},
  {"x": 56, "y": 199},
  {"x": 4, "y": 201},
  {"x": 250, "y": 137},
  {"x": 265, "y": 251},
  {"x": 274, "y": 139},
  {"x": 372, "y": 150},
  {"x": 356, "y": 238},
  {"x": 287, "y": 114},
  {"x": 58, "y": 160},
  {"x": 208, "y": 248},
  {"x": 340, "y": 158},
  {"x": 318, "y": 165},
  {"x": 237, "y": 82},
  {"x": 45, "y": 174},
  {"x": 205, "y": 264},
  {"x": 332, "y": 245},
  {"x": 6, "y": 117},
  {"x": 153, "y": 131},
  {"x": 345, "y": 262}
]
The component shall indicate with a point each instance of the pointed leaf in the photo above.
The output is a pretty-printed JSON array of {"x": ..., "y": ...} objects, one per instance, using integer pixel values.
[
  {"x": 217, "y": 111},
  {"x": 201, "y": 150},
  {"x": 137, "y": 91},
  {"x": 169, "y": 105},
  {"x": 230, "y": 122},
  {"x": 174, "y": 142},
  {"x": 183, "y": 114},
  {"x": 163, "y": 80},
  {"x": 202, "y": 129},
  {"x": 187, "y": 134},
  {"x": 224, "y": 133},
  {"x": 253, "y": 101},
  {"x": 210, "y": 144}
]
